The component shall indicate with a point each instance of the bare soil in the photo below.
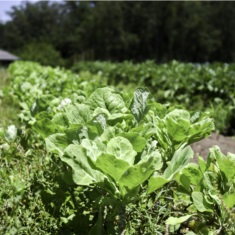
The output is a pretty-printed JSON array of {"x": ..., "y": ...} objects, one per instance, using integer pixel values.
[{"x": 226, "y": 144}]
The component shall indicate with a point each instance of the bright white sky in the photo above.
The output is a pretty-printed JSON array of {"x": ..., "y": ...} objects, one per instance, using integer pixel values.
[{"x": 6, "y": 6}]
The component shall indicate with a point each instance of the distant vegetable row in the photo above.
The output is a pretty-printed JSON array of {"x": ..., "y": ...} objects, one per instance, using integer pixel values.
[{"x": 195, "y": 86}]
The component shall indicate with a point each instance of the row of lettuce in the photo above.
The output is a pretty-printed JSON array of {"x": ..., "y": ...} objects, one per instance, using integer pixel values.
[
  {"x": 123, "y": 161},
  {"x": 195, "y": 86}
]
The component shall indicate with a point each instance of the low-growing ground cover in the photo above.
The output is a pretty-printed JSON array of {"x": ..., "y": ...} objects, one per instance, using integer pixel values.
[
  {"x": 8, "y": 110},
  {"x": 91, "y": 159}
]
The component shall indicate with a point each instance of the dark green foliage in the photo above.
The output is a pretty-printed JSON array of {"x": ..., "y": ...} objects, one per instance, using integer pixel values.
[
  {"x": 162, "y": 31},
  {"x": 42, "y": 53}
]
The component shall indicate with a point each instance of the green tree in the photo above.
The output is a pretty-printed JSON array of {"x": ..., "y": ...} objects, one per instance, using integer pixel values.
[
  {"x": 43, "y": 53},
  {"x": 223, "y": 19},
  {"x": 105, "y": 30},
  {"x": 32, "y": 22},
  {"x": 71, "y": 39}
]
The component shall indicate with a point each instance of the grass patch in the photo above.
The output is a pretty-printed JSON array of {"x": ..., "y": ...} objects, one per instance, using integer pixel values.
[{"x": 8, "y": 109}]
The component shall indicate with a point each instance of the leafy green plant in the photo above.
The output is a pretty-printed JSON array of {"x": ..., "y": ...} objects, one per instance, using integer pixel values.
[
  {"x": 122, "y": 150},
  {"x": 207, "y": 190},
  {"x": 195, "y": 86}
]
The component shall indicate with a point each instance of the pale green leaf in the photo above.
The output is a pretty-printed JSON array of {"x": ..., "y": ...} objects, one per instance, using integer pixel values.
[
  {"x": 137, "y": 174},
  {"x": 202, "y": 164},
  {"x": 201, "y": 129},
  {"x": 177, "y": 220},
  {"x": 200, "y": 203},
  {"x": 191, "y": 233},
  {"x": 139, "y": 107},
  {"x": 112, "y": 166},
  {"x": 229, "y": 199},
  {"x": 92, "y": 150},
  {"x": 226, "y": 165},
  {"x": 121, "y": 148},
  {"x": 60, "y": 119},
  {"x": 56, "y": 143},
  {"x": 193, "y": 173},
  {"x": 177, "y": 124},
  {"x": 179, "y": 160},
  {"x": 78, "y": 114},
  {"x": 83, "y": 171},
  {"x": 106, "y": 98},
  {"x": 136, "y": 140},
  {"x": 155, "y": 183}
]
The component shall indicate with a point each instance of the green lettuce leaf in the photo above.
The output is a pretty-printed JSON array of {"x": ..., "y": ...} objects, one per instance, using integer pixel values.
[
  {"x": 139, "y": 105},
  {"x": 121, "y": 148},
  {"x": 106, "y": 98},
  {"x": 112, "y": 166},
  {"x": 179, "y": 160},
  {"x": 83, "y": 171}
]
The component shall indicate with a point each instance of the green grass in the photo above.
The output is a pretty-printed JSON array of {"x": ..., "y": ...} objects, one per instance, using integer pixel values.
[
  {"x": 22, "y": 172},
  {"x": 8, "y": 110}
]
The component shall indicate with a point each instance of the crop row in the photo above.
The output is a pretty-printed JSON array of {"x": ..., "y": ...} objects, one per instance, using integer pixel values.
[{"x": 195, "y": 86}]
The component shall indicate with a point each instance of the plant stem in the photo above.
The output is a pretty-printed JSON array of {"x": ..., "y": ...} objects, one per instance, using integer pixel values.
[{"x": 122, "y": 220}]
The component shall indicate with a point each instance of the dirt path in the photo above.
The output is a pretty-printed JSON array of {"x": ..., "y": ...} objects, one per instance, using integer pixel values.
[{"x": 226, "y": 144}]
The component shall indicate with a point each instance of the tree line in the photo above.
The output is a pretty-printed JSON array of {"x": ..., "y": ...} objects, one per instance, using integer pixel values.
[{"x": 69, "y": 31}]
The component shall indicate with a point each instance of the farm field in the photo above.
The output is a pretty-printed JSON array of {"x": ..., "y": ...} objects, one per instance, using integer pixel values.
[{"x": 105, "y": 149}]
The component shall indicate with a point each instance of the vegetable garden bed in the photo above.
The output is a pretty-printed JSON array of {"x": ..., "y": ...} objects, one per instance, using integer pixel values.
[{"x": 92, "y": 159}]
